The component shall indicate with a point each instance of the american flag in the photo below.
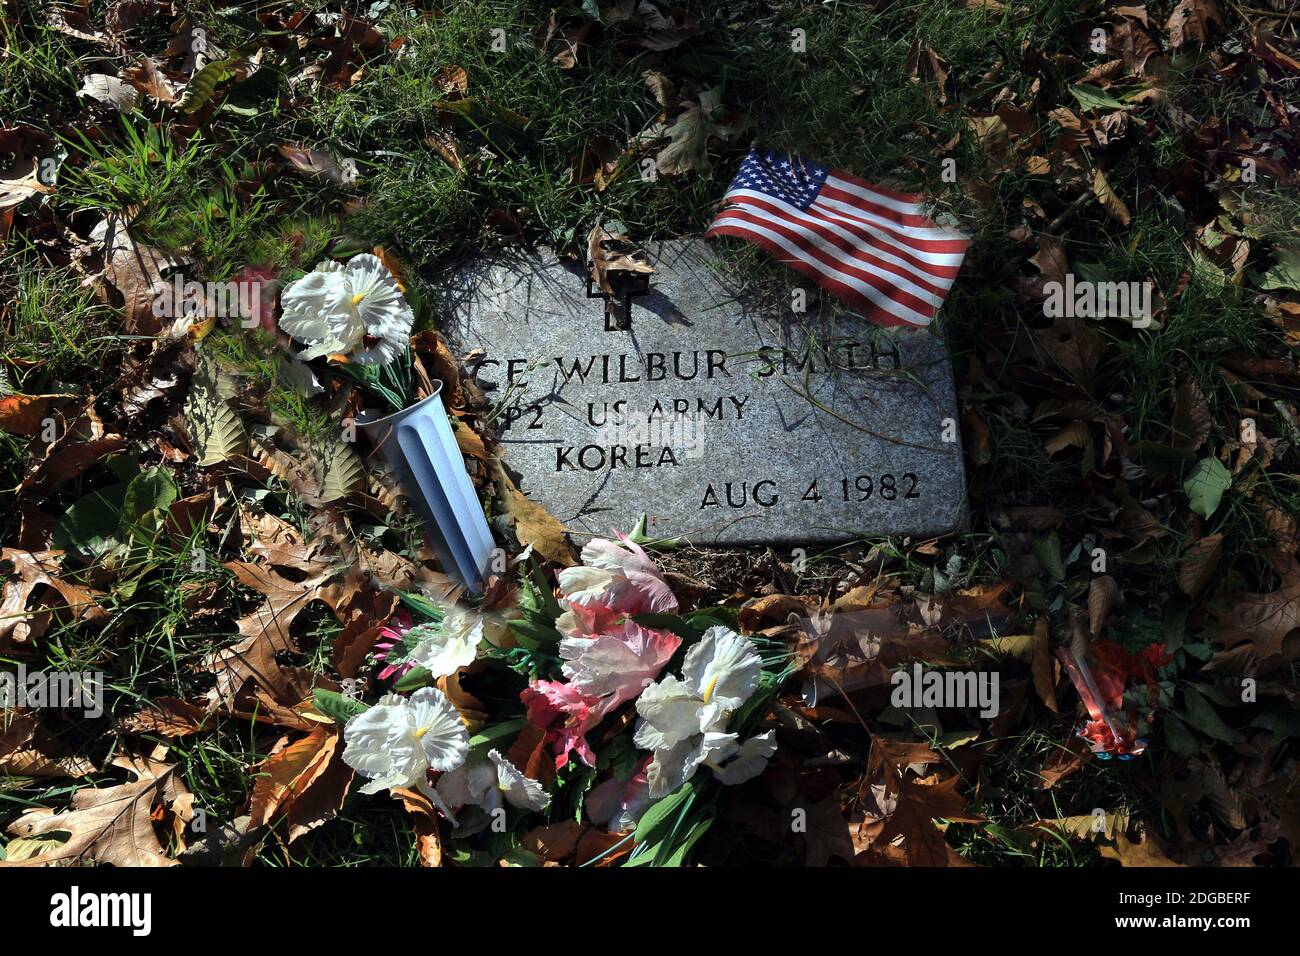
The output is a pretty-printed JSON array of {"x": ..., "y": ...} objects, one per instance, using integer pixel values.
[{"x": 873, "y": 248}]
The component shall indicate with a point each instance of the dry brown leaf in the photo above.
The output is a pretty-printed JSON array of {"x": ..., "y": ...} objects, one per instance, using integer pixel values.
[
  {"x": 167, "y": 717},
  {"x": 1050, "y": 259},
  {"x": 1103, "y": 592},
  {"x": 424, "y": 819},
  {"x": 534, "y": 524},
  {"x": 303, "y": 784},
  {"x": 1109, "y": 200},
  {"x": 1192, "y": 420},
  {"x": 21, "y": 179},
  {"x": 1043, "y": 665},
  {"x": 27, "y": 749},
  {"x": 442, "y": 363},
  {"x": 1191, "y": 22},
  {"x": 111, "y": 825},
  {"x": 285, "y": 600},
  {"x": 1270, "y": 622},
  {"x": 1200, "y": 562},
  {"x": 612, "y": 257},
  {"x": 25, "y": 414},
  {"x": 150, "y": 79},
  {"x": 1073, "y": 435},
  {"x": 137, "y": 271},
  {"x": 1144, "y": 852},
  {"x": 35, "y": 575}
]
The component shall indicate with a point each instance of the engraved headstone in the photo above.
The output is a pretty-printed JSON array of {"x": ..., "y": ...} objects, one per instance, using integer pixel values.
[{"x": 722, "y": 416}]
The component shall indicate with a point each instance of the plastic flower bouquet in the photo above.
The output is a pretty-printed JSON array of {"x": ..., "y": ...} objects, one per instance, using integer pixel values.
[
  {"x": 603, "y": 710},
  {"x": 355, "y": 316}
]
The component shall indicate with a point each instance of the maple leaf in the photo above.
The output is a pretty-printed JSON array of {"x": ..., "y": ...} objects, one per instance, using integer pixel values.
[
  {"x": 36, "y": 574},
  {"x": 690, "y": 132},
  {"x": 1268, "y": 622},
  {"x": 109, "y": 825}
]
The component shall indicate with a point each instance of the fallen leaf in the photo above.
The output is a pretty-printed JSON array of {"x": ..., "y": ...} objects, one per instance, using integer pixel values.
[
  {"x": 534, "y": 525},
  {"x": 136, "y": 271},
  {"x": 112, "y": 825},
  {"x": 25, "y": 608},
  {"x": 1199, "y": 564},
  {"x": 110, "y": 91},
  {"x": 1191, "y": 22},
  {"x": 303, "y": 785},
  {"x": 25, "y": 414},
  {"x": 1109, "y": 200}
]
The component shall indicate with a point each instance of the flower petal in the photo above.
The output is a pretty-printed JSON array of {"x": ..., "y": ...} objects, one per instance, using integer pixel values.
[{"x": 723, "y": 668}]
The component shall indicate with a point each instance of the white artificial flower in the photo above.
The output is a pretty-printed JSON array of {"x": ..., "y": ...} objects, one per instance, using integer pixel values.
[
  {"x": 398, "y": 740},
  {"x": 672, "y": 767},
  {"x": 683, "y": 721},
  {"x": 749, "y": 760},
  {"x": 670, "y": 715},
  {"x": 722, "y": 669},
  {"x": 356, "y": 310},
  {"x": 446, "y": 647},
  {"x": 486, "y": 785}
]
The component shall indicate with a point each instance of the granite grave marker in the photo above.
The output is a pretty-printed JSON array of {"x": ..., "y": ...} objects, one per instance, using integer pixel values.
[{"x": 723, "y": 416}]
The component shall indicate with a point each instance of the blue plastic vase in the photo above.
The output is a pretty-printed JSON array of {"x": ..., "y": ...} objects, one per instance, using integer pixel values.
[{"x": 419, "y": 445}]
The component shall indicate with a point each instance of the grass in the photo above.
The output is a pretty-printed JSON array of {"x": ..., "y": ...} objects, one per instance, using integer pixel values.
[{"x": 845, "y": 99}]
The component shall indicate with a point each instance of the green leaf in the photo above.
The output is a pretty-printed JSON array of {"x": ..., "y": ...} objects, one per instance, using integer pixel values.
[
  {"x": 89, "y": 528},
  {"x": 337, "y": 707},
  {"x": 1048, "y": 552},
  {"x": 491, "y": 737},
  {"x": 203, "y": 84},
  {"x": 1285, "y": 274},
  {"x": 1206, "y": 484},
  {"x": 340, "y": 471},
  {"x": 215, "y": 429},
  {"x": 654, "y": 823},
  {"x": 151, "y": 490},
  {"x": 1095, "y": 98},
  {"x": 678, "y": 855},
  {"x": 421, "y": 605},
  {"x": 1200, "y": 713},
  {"x": 414, "y": 679}
]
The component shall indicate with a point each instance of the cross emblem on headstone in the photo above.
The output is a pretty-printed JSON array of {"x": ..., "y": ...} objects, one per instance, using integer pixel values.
[{"x": 629, "y": 284}]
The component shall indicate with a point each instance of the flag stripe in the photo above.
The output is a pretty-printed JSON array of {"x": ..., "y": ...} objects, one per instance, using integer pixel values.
[
  {"x": 903, "y": 213},
  {"x": 862, "y": 267},
  {"x": 851, "y": 297},
  {"x": 861, "y": 290},
  {"x": 875, "y": 248},
  {"x": 926, "y": 240},
  {"x": 927, "y": 262}
]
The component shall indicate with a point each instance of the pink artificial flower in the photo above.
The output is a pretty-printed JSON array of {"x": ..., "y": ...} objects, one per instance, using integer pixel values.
[
  {"x": 389, "y": 638},
  {"x": 615, "y": 579},
  {"x": 618, "y": 804},
  {"x": 618, "y": 665},
  {"x": 566, "y": 714}
]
